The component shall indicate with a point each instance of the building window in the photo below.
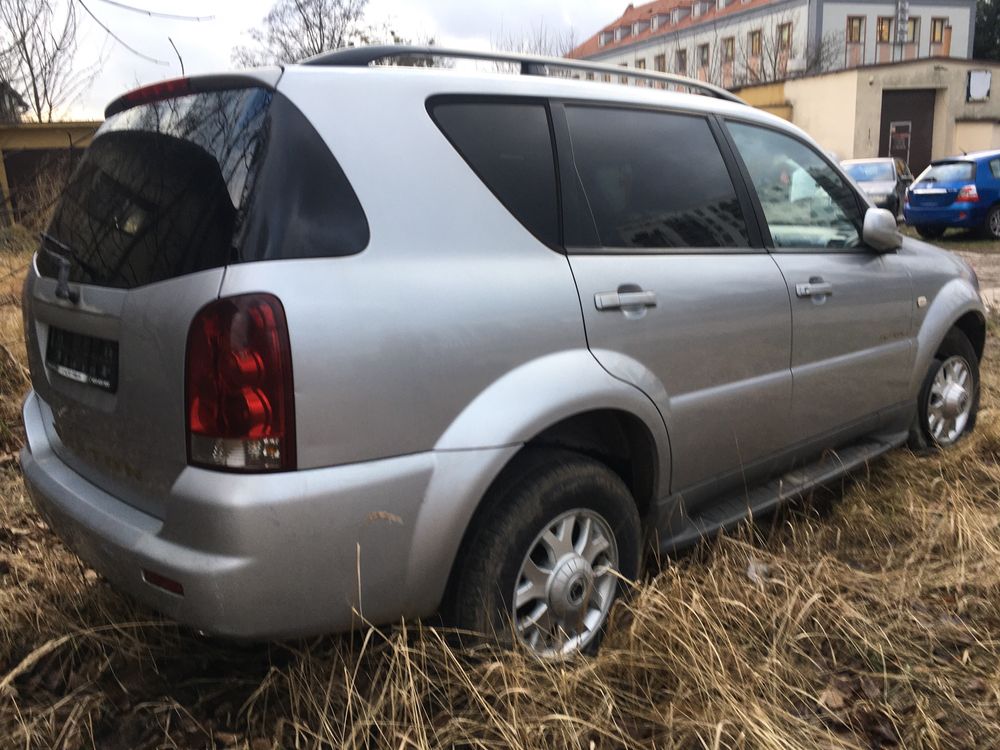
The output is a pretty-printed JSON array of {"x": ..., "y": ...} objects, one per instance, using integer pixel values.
[
  {"x": 660, "y": 63},
  {"x": 883, "y": 30},
  {"x": 681, "y": 62},
  {"x": 755, "y": 43},
  {"x": 784, "y": 37},
  {"x": 623, "y": 79},
  {"x": 703, "y": 55},
  {"x": 640, "y": 64},
  {"x": 654, "y": 23},
  {"x": 913, "y": 30},
  {"x": 728, "y": 49},
  {"x": 602, "y": 39},
  {"x": 937, "y": 30},
  {"x": 855, "y": 29}
]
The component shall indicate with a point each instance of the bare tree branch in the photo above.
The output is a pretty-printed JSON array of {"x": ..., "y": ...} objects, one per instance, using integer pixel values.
[
  {"x": 39, "y": 56},
  {"x": 296, "y": 29}
]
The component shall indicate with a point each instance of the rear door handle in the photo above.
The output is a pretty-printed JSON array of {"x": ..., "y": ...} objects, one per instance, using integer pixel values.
[
  {"x": 814, "y": 288},
  {"x": 619, "y": 300}
]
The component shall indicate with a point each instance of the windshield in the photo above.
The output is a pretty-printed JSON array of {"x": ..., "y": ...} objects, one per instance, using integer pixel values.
[
  {"x": 872, "y": 171},
  {"x": 949, "y": 171}
]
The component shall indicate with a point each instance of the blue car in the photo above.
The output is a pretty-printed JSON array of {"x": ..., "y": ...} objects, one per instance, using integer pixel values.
[{"x": 961, "y": 191}]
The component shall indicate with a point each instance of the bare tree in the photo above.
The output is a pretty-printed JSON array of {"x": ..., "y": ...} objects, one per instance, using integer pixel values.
[
  {"x": 296, "y": 29},
  {"x": 37, "y": 55},
  {"x": 539, "y": 39}
]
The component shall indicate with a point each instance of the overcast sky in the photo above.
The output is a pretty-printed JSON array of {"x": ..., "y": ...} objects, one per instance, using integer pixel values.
[{"x": 206, "y": 46}]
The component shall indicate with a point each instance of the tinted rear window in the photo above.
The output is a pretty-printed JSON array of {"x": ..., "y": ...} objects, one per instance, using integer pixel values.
[
  {"x": 200, "y": 181},
  {"x": 948, "y": 171},
  {"x": 509, "y": 146},
  {"x": 655, "y": 179}
]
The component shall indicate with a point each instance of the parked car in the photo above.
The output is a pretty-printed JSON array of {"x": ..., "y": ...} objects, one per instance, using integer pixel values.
[
  {"x": 342, "y": 344},
  {"x": 884, "y": 180},
  {"x": 960, "y": 192}
]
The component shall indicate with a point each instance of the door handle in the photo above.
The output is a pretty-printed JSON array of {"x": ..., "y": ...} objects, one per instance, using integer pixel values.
[
  {"x": 816, "y": 287},
  {"x": 619, "y": 300}
]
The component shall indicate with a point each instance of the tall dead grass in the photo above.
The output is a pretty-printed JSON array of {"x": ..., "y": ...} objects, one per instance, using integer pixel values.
[{"x": 867, "y": 616}]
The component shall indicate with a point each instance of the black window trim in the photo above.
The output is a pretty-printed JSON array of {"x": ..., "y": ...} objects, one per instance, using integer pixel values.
[
  {"x": 765, "y": 230},
  {"x": 440, "y": 99},
  {"x": 755, "y": 241}
]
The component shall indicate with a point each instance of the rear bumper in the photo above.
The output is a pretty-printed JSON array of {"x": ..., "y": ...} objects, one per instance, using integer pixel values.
[
  {"x": 273, "y": 555},
  {"x": 967, "y": 215}
]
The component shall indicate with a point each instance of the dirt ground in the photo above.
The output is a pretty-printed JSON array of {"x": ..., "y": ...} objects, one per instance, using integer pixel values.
[{"x": 866, "y": 616}]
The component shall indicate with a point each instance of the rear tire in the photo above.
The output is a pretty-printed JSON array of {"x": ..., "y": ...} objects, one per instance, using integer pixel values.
[
  {"x": 944, "y": 413},
  {"x": 929, "y": 232},
  {"x": 992, "y": 226},
  {"x": 552, "y": 536}
]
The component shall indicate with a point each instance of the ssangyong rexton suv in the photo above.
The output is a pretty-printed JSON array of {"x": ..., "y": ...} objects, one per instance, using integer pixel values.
[{"x": 343, "y": 343}]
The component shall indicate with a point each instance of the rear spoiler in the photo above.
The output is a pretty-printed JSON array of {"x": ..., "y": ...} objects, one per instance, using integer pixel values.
[{"x": 261, "y": 78}]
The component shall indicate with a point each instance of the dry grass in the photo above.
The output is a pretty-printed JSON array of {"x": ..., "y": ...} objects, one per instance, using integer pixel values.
[{"x": 871, "y": 618}]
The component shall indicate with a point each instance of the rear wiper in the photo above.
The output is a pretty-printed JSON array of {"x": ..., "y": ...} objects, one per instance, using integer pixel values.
[{"x": 64, "y": 259}]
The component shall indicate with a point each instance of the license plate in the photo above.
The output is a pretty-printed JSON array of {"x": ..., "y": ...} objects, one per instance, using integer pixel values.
[{"x": 85, "y": 359}]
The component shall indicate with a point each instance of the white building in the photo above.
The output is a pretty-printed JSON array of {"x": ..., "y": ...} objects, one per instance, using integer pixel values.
[{"x": 738, "y": 42}]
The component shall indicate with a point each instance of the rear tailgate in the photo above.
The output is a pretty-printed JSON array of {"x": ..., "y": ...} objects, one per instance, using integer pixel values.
[{"x": 142, "y": 235}]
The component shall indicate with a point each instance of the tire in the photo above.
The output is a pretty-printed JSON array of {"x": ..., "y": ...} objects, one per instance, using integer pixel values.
[
  {"x": 555, "y": 493},
  {"x": 992, "y": 226},
  {"x": 954, "y": 354},
  {"x": 929, "y": 232}
]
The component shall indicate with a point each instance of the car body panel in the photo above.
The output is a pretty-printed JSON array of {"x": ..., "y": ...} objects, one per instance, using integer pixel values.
[
  {"x": 425, "y": 363},
  {"x": 721, "y": 411}
]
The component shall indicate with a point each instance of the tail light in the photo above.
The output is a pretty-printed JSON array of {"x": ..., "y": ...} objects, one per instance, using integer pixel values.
[
  {"x": 967, "y": 194},
  {"x": 240, "y": 403}
]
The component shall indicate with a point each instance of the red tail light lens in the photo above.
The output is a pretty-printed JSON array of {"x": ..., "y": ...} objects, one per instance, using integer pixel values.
[
  {"x": 240, "y": 403},
  {"x": 967, "y": 194}
]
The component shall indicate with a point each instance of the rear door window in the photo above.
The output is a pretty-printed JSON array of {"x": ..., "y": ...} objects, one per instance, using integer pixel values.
[
  {"x": 200, "y": 181},
  {"x": 508, "y": 144},
  {"x": 655, "y": 179}
]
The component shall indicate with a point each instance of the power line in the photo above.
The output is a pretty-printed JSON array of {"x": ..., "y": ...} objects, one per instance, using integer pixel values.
[
  {"x": 158, "y": 14},
  {"x": 118, "y": 39}
]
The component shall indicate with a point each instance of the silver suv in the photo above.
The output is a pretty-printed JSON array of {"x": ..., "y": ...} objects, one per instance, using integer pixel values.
[{"x": 343, "y": 343}]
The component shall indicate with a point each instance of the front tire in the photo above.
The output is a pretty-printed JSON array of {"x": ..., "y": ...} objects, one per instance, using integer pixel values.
[
  {"x": 540, "y": 567},
  {"x": 949, "y": 398}
]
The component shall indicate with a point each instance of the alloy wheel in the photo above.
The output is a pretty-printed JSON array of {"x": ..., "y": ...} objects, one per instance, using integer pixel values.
[
  {"x": 566, "y": 584},
  {"x": 950, "y": 401}
]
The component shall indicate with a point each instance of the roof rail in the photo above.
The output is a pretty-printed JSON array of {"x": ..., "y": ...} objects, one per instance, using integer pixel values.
[{"x": 532, "y": 65}]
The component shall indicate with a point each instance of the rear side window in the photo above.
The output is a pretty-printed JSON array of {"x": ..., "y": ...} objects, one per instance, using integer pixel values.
[
  {"x": 200, "y": 181},
  {"x": 949, "y": 171},
  {"x": 655, "y": 179},
  {"x": 995, "y": 168},
  {"x": 508, "y": 144}
]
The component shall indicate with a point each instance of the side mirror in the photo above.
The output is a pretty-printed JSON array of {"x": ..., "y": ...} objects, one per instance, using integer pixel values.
[{"x": 880, "y": 232}]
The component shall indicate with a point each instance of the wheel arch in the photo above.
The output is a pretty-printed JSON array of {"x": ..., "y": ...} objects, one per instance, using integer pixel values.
[
  {"x": 956, "y": 306},
  {"x": 615, "y": 437}
]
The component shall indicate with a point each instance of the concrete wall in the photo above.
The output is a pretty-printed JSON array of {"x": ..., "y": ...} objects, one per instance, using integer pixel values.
[
  {"x": 960, "y": 14},
  {"x": 843, "y": 110},
  {"x": 948, "y": 78},
  {"x": 826, "y": 107},
  {"x": 977, "y": 136},
  {"x": 712, "y": 33}
]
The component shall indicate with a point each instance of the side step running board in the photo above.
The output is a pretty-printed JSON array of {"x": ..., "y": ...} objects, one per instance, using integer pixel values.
[{"x": 728, "y": 512}]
